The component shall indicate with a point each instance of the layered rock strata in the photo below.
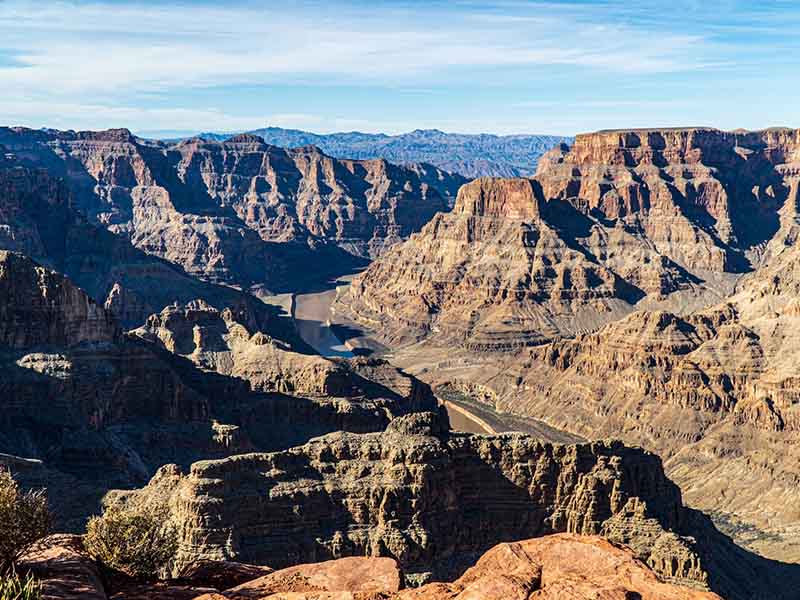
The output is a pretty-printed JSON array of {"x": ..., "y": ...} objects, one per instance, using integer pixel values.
[
  {"x": 89, "y": 407},
  {"x": 715, "y": 393},
  {"x": 225, "y": 211},
  {"x": 434, "y": 501},
  {"x": 620, "y": 220},
  {"x": 38, "y": 218}
]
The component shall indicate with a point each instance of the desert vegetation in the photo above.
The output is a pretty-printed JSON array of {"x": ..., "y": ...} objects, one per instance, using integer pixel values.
[{"x": 140, "y": 542}]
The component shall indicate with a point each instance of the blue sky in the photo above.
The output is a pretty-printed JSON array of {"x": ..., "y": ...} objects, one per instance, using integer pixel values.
[{"x": 501, "y": 67}]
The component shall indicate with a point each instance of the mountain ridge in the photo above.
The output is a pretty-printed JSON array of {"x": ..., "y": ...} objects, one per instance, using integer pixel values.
[{"x": 471, "y": 155}]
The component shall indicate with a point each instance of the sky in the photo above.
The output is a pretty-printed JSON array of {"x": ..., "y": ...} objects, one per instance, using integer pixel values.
[{"x": 557, "y": 67}]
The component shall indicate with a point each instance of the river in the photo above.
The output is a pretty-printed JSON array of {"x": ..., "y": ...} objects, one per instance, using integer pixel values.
[{"x": 312, "y": 313}]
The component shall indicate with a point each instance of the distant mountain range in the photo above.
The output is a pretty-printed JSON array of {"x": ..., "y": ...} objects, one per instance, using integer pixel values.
[{"x": 470, "y": 155}]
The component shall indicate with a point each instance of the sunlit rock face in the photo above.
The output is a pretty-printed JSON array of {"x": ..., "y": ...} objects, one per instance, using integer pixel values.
[{"x": 619, "y": 221}]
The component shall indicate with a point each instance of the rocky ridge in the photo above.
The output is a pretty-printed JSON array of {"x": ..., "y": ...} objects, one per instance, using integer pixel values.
[
  {"x": 435, "y": 500},
  {"x": 715, "y": 393},
  {"x": 38, "y": 218},
  {"x": 481, "y": 155},
  {"x": 548, "y": 567}
]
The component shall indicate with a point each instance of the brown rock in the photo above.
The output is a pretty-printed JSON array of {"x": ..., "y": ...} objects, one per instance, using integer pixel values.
[
  {"x": 432, "y": 501},
  {"x": 646, "y": 219},
  {"x": 38, "y": 218},
  {"x": 221, "y": 574},
  {"x": 491, "y": 275},
  {"x": 162, "y": 590},
  {"x": 95, "y": 409},
  {"x": 217, "y": 209}
]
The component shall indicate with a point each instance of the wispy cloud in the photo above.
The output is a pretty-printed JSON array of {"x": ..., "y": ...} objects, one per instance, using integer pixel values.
[
  {"x": 66, "y": 48},
  {"x": 143, "y": 63}
]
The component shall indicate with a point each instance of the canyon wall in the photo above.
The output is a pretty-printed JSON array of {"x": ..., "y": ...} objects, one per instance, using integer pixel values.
[
  {"x": 435, "y": 500},
  {"x": 238, "y": 212},
  {"x": 619, "y": 221}
]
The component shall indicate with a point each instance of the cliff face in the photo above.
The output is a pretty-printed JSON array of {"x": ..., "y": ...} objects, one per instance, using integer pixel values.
[
  {"x": 707, "y": 199},
  {"x": 434, "y": 501},
  {"x": 39, "y": 307},
  {"x": 715, "y": 393},
  {"x": 38, "y": 218},
  {"x": 645, "y": 219},
  {"x": 90, "y": 408},
  {"x": 225, "y": 210},
  {"x": 702, "y": 226}
]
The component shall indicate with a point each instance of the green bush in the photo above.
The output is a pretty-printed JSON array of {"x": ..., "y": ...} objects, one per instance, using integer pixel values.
[
  {"x": 14, "y": 587},
  {"x": 139, "y": 541},
  {"x": 24, "y": 519}
]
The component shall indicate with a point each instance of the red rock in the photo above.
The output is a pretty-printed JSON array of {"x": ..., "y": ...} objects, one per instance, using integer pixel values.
[
  {"x": 64, "y": 568},
  {"x": 362, "y": 575},
  {"x": 221, "y": 574},
  {"x": 161, "y": 590},
  {"x": 557, "y": 567}
]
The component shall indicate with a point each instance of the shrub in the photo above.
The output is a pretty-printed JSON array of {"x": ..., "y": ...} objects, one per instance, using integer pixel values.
[
  {"x": 14, "y": 587},
  {"x": 139, "y": 541},
  {"x": 24, "y": 519}
]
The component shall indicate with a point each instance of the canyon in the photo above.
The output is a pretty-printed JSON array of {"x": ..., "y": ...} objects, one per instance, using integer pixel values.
[
  {"x": 88, "y": 407},
  {"x": 240, "y": 212},
  {"x": 166, "y": 337},
  {"x": 643, "y": 285}
]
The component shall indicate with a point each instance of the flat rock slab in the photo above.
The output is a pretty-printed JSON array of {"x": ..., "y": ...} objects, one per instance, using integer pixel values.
[
  {"x": 160, "y": 591},
  {"x": 64, "y": 569},
  {"x": 361, "y": 576},
  {"x": 557, "y": 567},
  {"x": 221, "y": 574}
]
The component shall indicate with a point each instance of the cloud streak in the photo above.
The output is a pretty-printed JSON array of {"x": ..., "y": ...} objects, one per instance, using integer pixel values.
[
  {"x": 67, "y": 48},
  {"x": 130, "y": 62}
]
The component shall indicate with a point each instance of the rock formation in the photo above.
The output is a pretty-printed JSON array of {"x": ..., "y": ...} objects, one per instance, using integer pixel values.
[
  {"x": 648, "y": 219},
  {"x": 90, "y": 408},
  {"x": 435, "y": 500},
  {"x": 556, "y": 566},
  {"x": 38, "y": 218},
  {"x": 702, "y": 225},
  {"x": 225, "y": 211},
  {"x": 714, "y": 393}
]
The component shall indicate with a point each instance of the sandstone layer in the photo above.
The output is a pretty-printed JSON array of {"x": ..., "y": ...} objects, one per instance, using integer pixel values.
[
  {"x": 619, "y": 221},
  {"x": 434, "y": 501},
  {"x": 239, "y": 212}
]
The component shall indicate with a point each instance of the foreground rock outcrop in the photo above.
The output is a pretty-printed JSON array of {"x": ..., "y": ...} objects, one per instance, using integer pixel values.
[
  {"x": 620, "y": 220},
  {"x": 556, "y": 566},
  {"x": 434, "y": 501}
]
